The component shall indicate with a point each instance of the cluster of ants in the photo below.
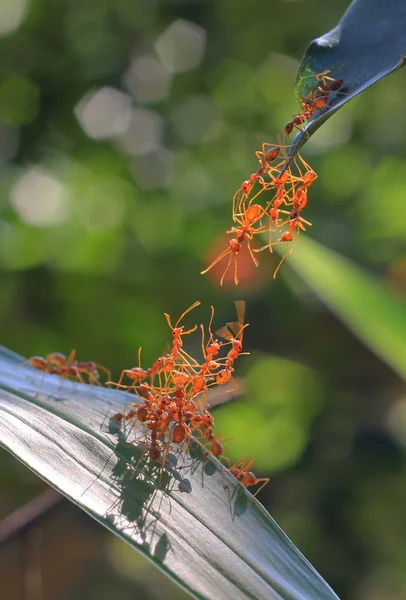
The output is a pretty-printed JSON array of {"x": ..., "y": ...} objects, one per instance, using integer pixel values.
[
  {"x": 280, "y": 214},
  {"x": 67, "y": 367},
  {"x": 173, "y": 410}
]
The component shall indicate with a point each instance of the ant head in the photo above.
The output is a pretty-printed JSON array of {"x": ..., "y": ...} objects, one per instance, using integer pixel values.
[
  {"x": 246, "y": 187},
  {"x": 208, "y": 420},
  {"x": 177, "y": 331},
  {"x": 235, "y": 246},
  {"x": 180, "y": 392},
  {"x": 237, "y": 345},
  {"x": 165, "y": 400},
  {"x": 287, "y": 236},
  {"x": 214, "y": 348}
]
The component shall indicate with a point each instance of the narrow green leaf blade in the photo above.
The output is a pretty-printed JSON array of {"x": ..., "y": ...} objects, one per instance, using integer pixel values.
[
  {"x": 214, "y": 541},
  {"x": 368, "y": 43},
  {"x": 372, "y": 312}
]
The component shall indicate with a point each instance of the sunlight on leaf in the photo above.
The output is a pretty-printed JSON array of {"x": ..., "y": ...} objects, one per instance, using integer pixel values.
[{"x": 217, "y": 542}]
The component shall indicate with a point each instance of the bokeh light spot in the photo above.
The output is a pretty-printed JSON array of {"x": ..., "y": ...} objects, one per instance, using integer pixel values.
[
  {"x": 147, "y": 79},
  {"x": 39, "y": 198},
  {"x": 144, "y": 133},
  {"x": 181, "y": 46},
  {"x": 105, "y": 113},
  {"x": 12, "y": 13}
]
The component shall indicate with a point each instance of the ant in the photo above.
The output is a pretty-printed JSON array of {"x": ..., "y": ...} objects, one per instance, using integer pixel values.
[
  {"x": 315, "y": 100},
  {"x": 177, "y": 331},
  {"x": 245, "y": 231},
  {"x": 264, "y": 157},
  {"x": 233, "y": 334},
  {"x": 241, "y": 471},
  {"x": 136, "y": 374},
  {"x": 69, "y": 367},
  {"x": 209, "y": 352},
  {"x": 296, "y": 223}
]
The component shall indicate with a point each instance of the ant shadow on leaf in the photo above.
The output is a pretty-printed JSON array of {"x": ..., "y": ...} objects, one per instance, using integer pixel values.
[{"x": 144, "y": 489}]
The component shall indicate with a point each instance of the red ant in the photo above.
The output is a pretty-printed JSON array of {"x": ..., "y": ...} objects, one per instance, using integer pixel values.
[
  {"x": 315, "y": 100},
  {"x": 232, "y": 333},
  {"x": 69, "y": 367},
  {"x": 246, "y": 231},
  {"x": 209, "y": 351},
  {"x": 177, "y": 331},
  {"x": 264, "y": 157},
  {"x": 296, "y": 223},
  {"x": 241, "y": 471}
]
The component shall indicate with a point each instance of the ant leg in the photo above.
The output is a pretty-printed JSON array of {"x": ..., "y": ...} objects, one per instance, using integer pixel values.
[
  {"x": 26, "y": 362},
  {"x": 265, "y": 480},
  {"x": 142, "y": 455},
  {"x": 255, "y": 261},
  {"x": 106, "y": 371},
  {"x": 304, "y": 163},
  {"x": 93, "y": 380},
  {"x": 235, "y": 203},
  {"x": 218, "y": 259},
  {"x": 71, "y": 358},
  {"x": 168, "y": 319},
  {"x": 123, "y": 372},
  {"x": 227, "y": 268},
  {"x": 247, "y": 466},
  {"x": 236, "y": 280},
  {"x": 41, "y": 384},
  {"x": 122, "y": 386},
  {"x": 280, "y": 262},
  {"x": 240, "y": 464}
]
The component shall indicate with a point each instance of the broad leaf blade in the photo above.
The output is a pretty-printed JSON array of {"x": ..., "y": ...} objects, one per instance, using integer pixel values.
[
  {"x": 216, "y": 542},
  {"x": 372, "y": 312},
  {"x": 368, "y": 43}
]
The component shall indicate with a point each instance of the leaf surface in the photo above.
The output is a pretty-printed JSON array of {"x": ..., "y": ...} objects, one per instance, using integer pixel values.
[{"x": 216, "y": 542}]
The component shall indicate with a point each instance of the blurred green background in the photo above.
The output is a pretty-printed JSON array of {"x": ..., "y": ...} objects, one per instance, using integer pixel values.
[{"x": 125, "y": 128}]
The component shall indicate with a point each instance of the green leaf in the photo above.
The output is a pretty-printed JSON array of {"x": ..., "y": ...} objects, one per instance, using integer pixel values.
[
  {"x": 368, "y": 43},
  {"x": 216, "y": 542},
  {"x": 370, "y": 310}
]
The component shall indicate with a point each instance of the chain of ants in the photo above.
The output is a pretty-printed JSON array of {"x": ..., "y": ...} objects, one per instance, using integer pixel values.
[
  {"x": 283, "y": 212},
  {"x": 172, "y": 391}
]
